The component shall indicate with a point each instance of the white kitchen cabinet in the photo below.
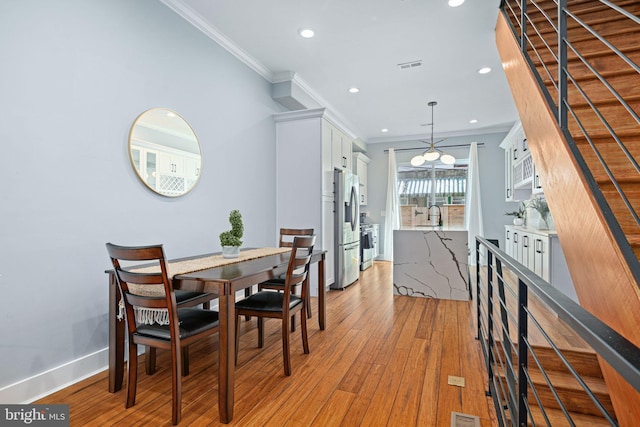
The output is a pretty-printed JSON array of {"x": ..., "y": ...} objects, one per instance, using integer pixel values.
[
  {"x": 328, "y": 238},
  {"x": 168, "y": 172},
  {"x": 508, "y": 241},
  {"x": 537, "y": 185},
  {"x": 304, "y": 177},
  {"x": 541, "y": 261},
  {"x": 360, "y": 166},
  {"x": 516, "y": 245},
  {"x": 508, "y": 172},
  {"x": 170, "y": 164},
  {"x": 526, "y": 249},
  {"x": 327, "y": 160},
  {"x": 341, "y": 146},
  {"x": 376, "y": 247},
  {"x": 519, "y": 170},
  {"x": 540, "y": 252},
  {"x": 191, "y": 171}
]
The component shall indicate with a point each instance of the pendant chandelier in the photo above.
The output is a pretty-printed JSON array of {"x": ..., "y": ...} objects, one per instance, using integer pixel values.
[{"x": 433, "y": 153}]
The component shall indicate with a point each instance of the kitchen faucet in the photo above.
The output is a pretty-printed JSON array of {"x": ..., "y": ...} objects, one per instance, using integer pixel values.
[{"x": 439, "y": 214}]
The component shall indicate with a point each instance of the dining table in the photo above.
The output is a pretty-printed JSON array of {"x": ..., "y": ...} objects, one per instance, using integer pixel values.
[{"x": 224, "y": 281}]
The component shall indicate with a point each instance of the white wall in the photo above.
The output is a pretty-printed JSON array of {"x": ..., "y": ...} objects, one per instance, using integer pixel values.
[
  {"x": 491, "y": 166},
  {"x": 74, "y": 76}
]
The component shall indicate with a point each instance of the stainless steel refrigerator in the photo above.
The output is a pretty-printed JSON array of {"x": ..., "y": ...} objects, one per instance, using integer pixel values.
[{"x": 347, "y": 228}]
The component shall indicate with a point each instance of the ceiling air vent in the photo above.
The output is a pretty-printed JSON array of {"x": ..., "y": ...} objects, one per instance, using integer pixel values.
[{"x": 412, "y": 64}]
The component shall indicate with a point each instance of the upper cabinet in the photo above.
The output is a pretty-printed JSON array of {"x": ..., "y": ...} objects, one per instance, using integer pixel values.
[
  {"x": 340, "y": 149},
  {"x": 521, "y": 179},
  {"x": 360, "y": 162}
]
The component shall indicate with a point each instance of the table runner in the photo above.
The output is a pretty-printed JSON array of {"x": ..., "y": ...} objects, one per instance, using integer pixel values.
[{"x": 161, "y": 315}]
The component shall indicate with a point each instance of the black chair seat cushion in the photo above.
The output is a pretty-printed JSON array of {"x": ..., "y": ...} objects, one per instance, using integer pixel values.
[
  {"x": 267, "y": 301},
  {"x": 192, "y": 321},
  {"x": 276, "y": 281},
  {"x": 186, "y": 296}
]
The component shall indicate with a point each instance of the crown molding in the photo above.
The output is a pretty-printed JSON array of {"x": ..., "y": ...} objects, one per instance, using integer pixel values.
[
  {"x": 195, "y": 19},
  {"x": 501, "y": 128},
  {"x": 217, "y": 36},
  {"x": 299, "y": 114},
  {"x": 283, "y": 76}
]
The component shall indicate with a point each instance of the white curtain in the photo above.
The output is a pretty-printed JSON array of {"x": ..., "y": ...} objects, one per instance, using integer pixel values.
[
  {"x": 473, "y": 209},
  {"x": 392, "y": 211}
]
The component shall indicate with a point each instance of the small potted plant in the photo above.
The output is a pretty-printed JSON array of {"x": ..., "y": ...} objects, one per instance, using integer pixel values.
[
  {"x": 230, "y": 240},
  {"x": 540, "y": 205},
  {"x": 518, "y": 215}
]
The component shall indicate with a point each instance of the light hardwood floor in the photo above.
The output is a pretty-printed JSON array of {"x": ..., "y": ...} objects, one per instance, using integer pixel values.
[{"x": 382, "y": 361}]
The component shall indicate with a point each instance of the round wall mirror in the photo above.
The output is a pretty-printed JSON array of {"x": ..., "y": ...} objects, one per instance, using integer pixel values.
[{"x": 165, "y": 152}]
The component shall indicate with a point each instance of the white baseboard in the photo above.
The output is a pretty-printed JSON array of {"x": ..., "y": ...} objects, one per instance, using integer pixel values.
[{"x": 45, "y": 383}]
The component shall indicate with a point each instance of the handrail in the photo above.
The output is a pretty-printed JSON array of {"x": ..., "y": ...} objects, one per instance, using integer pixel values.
[
  {"x": 523, "y": 28},
  {"x": 511, "y": 393}
]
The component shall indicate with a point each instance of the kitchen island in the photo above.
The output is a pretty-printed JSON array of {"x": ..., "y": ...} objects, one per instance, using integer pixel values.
[{"x": 431, "y": 262}]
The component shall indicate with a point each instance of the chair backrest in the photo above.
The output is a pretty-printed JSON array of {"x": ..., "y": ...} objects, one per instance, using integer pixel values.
[
  {"x": 288, "y": 234},
  {"x": 147, "y": 288},
  {"x": 298, "y": 267}
]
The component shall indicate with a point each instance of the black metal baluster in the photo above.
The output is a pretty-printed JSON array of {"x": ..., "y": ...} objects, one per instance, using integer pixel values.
[{"x": 523, "y": 333}]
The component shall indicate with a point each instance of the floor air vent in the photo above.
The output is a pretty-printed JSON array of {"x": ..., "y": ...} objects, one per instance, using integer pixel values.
[{"x": 464, "y": 420}]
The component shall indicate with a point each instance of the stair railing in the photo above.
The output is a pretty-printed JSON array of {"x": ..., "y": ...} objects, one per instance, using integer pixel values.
[
  {"x": 524, "y": 29},
  {"x": 508, "y": 358}
]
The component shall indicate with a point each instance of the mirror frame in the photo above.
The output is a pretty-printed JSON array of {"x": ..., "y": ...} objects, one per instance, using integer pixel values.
[{"x": 190, "y": 166}]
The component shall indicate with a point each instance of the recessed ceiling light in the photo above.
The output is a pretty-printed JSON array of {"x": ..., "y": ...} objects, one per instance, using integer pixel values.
[
  {"x": 354, "y": 90},
  {"x": 307, "y": 33},
  {"x": 384, "y": 130},
  {"x": 484, "y": 70},
  {"x": 455, "y": 3},
  {"x": 473, "y": 121}
]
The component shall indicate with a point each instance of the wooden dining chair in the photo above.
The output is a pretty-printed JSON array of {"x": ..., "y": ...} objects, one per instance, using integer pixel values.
[
  {"x": 183, "y": 299},
  {"x": 286, "y": 241},
  {"x": 282, "y": 305},
  {"x": 184, "y": 325}
]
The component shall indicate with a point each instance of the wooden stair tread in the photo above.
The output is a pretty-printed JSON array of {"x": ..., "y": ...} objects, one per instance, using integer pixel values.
[
  {"x": 622, "y": 134},
  {"x": 609, "y": 74},
  {"x": 579, "y": 34},
  {"x": 584, "y": 7},
  {"x": 557, "y": 418},
  {"x": 606, "y": 185},
  {"x": 561, "y": 380},
  {"x": 628, "y": 51},
  {"x": 611, "y": 101},
  {"x": 619, "y": 38},
  {"x": 584, "y": 361},
  {"x": 633, "y": 239},
  {"x": 619, "y": 20}
]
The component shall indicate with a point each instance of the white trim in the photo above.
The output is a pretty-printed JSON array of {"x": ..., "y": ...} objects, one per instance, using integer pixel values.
[
  {"x": 452, "y": 134},
  {"x": 195, "y": 19},
  {"x": 298, "y": 114},
  {"x": 52, "y": 380},
  {"x": 283, "y": 76},
  {"x": 333, "y": 114}
]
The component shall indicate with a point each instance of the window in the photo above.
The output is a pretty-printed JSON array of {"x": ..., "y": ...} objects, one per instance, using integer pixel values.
[{"x": 415, "y": 187}]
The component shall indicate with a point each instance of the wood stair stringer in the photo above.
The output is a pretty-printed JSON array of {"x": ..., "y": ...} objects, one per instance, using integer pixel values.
[{"x": 603, "y": 280}]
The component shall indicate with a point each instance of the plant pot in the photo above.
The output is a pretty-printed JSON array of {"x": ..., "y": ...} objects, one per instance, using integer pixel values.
[
  {"x": 518, "y": 221},
  {"x": 230, "y": 251},
  {"x": 542, "y": 224}
]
